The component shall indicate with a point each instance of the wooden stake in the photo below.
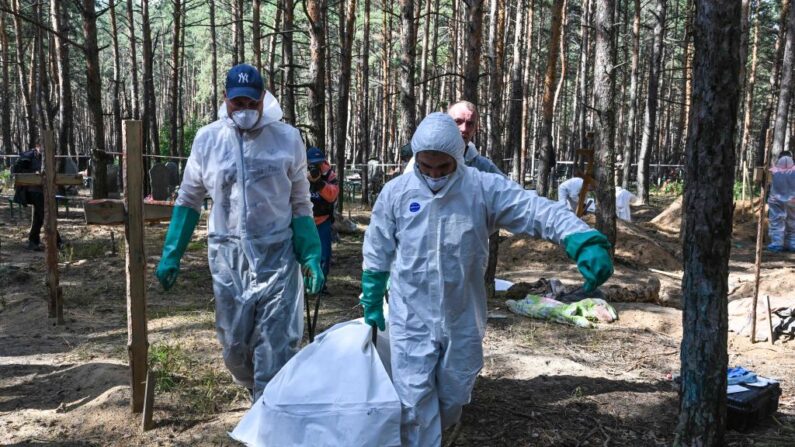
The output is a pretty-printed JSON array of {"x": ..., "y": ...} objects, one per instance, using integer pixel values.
[
  {"x": 149, "y": 402},
  {"x": 769, "y": 319},
  {"x": 137, "y": 344},
  {"x": 760, "y": 236},
  {"x": 55, "y": 308}
]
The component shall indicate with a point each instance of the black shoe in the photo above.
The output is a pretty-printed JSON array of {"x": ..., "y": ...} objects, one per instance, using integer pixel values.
[{"x": 32, "y": 246}]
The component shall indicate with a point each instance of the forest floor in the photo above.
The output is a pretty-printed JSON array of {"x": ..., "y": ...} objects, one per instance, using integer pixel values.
[{"x": 542, "y": 384}]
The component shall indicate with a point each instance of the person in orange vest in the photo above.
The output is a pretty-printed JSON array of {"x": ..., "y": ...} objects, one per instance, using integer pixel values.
[{"x": 323, "y": 190}]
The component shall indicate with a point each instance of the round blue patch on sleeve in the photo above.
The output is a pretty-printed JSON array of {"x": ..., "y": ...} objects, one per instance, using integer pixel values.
[{"x": 414, "y": 207}]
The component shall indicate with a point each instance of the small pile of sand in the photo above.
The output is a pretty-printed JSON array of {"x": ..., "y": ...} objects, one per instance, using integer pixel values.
[
  {"x": 780, "y": 283},
  {"x": 744, "y": 226}
]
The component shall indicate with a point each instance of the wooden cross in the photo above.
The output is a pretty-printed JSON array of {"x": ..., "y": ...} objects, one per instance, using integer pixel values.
[
  {"x": 48, "y": 182},
  {"x": 132, "y": 212}
]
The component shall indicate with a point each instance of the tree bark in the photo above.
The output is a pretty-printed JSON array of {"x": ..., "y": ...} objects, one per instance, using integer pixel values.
[
  {"x": 28, "y": 122},
  {"x": 347, "y": 20},
  {"x": 650, "y": 115},
  {"x": 288, "y": 101},
  {"x": 152, "y": 136},
  {"x": 65, "y": 121},
  {"x": 214, "y": 60},
  {"x": 94, "y": 98},
  {"x": 547, "y": 160},
  {"x": 136, "y": 101},
  {"x": 785, "y": 92},
  {"x": 256, "y": 37},
  {"x": 774, "y": 81},
  {"x": 116, "y": 103},
  {"x": 496, "y": 57},
  {"x": 425, "y": 55},
  {"x": 173, "y": 94},
  {"x": 513, "y": 142},
  {"x": 317, "y": 71},
  {"x": 473, "y": 47},
  {"x": 5, "y": 114},
  {"x": 708, "y": 223},
  {"x": 272, "y": 49},
  {"x": 745, "y": 138},
  {"x": 408, "y": 59},
  {"x": 631, "y": 138},
  {"x": 238, "y": 33},
  {"x": 605, "y": 128},
  {"x": 364, "y": 134}
]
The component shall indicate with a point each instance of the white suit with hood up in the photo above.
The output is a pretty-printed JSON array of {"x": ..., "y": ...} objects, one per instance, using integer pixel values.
[
  {"x": 435, "y": 247},
  {"x": 257, "y": 181},
  {"x": 782, "y": 204}
]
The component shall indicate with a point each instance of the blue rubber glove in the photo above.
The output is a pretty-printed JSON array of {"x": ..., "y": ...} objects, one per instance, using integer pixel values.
[
  {"x": 591, "y": 250},
  {"x": 306, "y": 243},
  {"x": 183, "y": 222},
  {"x": 372, "y": 297}
]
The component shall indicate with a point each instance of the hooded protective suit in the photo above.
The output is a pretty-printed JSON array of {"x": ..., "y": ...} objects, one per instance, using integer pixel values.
[
  {"x": 435, "y": 248},
  {"x": 782, "y": 206},
  {"x": 257, "y": 181},
  {"x": 472, "y": 158}
]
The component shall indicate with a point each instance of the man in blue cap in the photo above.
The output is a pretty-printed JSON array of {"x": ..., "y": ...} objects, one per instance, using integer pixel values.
[
  {"x": 260, "y": 231},
  {"x": 323, "y": 190}
]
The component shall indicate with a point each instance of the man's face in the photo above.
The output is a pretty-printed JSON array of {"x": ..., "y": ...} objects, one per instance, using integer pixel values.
[
  {"x": 435, "y": 164},
  {"x": 243, "y": 103},
  {"x": 466, "y": 120}
]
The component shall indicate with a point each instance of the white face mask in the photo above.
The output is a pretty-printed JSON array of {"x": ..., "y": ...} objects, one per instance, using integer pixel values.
[
  {"x": 245, "y": 119},
  {"x": 436, "y": 184}
]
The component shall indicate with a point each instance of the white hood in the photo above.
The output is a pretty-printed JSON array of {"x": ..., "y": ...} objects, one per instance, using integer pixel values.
[{"x": 271, "y": 112}]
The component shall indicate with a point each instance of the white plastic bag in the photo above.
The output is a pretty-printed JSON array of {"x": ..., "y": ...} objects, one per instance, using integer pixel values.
[{"x": 334, "y": 392}]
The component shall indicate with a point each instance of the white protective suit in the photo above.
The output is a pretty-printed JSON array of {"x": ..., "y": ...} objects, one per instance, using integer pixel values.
[
  {"x": 435, "y": 247},
  {"x": 782, "y": 205},
  {"x": 257, "y": 181},
  {"x": 472, "y": 158},
  {"x": 624, "y": 199}
]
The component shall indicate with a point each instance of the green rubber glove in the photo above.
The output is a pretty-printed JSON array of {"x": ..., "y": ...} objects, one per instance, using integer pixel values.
[
  {"x": 183, "y": 221},
  {"x": 306, "y": 243},
  {"x": 591, "y": 250},
  {"x": 372, "y": 297}
]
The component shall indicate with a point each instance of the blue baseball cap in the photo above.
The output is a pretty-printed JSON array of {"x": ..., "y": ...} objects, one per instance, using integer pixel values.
[
  {"x": 244, "y": 80},
  {"x": 315, "y": 155}
]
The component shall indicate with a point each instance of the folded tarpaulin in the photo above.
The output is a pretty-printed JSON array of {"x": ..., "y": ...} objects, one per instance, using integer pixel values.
[{"x": 334, "y": 392}]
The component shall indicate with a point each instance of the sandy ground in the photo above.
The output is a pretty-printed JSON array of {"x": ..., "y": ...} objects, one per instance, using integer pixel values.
[{"x": 542, "y": 384}]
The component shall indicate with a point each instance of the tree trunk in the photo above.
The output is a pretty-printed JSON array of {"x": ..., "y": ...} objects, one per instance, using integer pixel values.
[
  {"x": 513, "y": 142},
  {"x": 745, "y": 138},
  {"x": 136, "y": 101},
  {"x": 173, "y": 94},
  {"x": 631, "y": 139},
  {"x": 473, "y": 47},
  {"x": 547, "y": 160},
  {"x": 687, "y": 77},
  {"x": 214, "y": 60},
  {"x": 60, "y": 21},
  {"x": 496, "y": 57},
  {"x": 272, "y": 49},
  {"x": 5, "y": 114},
  {"x": 28, "y": 122},
  {"x": 347, "y": 20},
  {"x": 288, "y": 101},
  {"x": 364, "y": 134},
  {"x": 116, "y": 77},
  {"x": 425, "y": 55},
  {"x": 708, "y": 223},
  {"x": 317, "y": 71},
  {"x": 408, "y": 57},
  {"x": 785, "y": 92},
  {"x": 386, "y": 39},
  {"x": 650, "y": 115},
  {"x": 238, "y": 33},
  {"x": 94, "y": 98},
  {"x": 256, "y": 44},
  {"x": 774, "y": 75},
  {"x": 151, "y": 134},
  {"x": 604, "y": 135}
]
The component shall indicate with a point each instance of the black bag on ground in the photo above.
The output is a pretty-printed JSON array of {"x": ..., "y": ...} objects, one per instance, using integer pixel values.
[{"x": 746, "y": 409}]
